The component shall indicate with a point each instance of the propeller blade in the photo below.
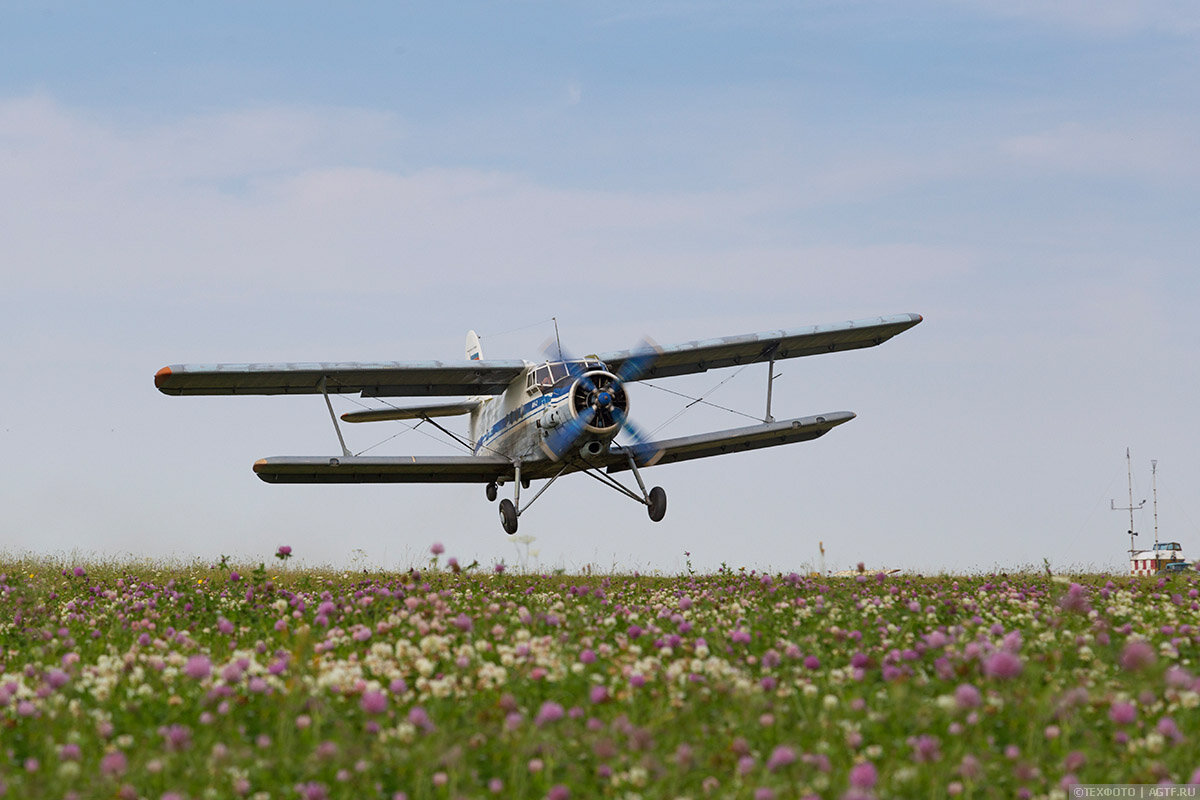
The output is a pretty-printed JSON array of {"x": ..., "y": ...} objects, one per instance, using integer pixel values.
[
  {"x": 643, "y": 447},
  {"x": 643, "y": 357},
  {"x": 559, "y": 442}
]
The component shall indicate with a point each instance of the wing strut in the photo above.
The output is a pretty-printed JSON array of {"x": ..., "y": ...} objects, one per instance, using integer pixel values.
[
  {"x": 637, "y": 474},
  {"x": 466, "y": 445},
  {"x": 770, "y": 380},
  {"x": 337, "y": 428}
]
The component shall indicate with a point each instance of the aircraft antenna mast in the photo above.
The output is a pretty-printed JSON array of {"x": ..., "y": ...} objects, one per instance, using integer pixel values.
[
  {"x": 1131, "y": 507},
  {"x": 1154, "y": 488},
  {"x": 557, "y": 340}
]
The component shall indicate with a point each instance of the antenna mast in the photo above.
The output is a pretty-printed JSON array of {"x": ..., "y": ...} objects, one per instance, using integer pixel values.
[
  {"x": 1131, "y": 507},
  {"x": 1154, "y": 486}
]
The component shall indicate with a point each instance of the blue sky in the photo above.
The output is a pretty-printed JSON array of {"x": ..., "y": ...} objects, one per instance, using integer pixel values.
[{"x": 271, "y": 181}]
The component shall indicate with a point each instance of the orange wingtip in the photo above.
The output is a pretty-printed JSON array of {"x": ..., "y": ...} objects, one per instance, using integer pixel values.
[
  {"x": 262, "y": 462},
  {"x": 161, "y": 376}
]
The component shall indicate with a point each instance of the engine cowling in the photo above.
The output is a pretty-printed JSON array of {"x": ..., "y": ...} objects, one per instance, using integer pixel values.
[{"x": 603, "y": 393}]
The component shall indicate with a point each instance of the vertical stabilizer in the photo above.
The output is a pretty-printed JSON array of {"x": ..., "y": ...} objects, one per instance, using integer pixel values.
[{"x": 475, "y": 353}]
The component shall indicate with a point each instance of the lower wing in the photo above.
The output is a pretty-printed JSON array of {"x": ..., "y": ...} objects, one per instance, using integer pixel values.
[
  {"x": 736, "y": 440},
  {"x": 389, "y": 469}
]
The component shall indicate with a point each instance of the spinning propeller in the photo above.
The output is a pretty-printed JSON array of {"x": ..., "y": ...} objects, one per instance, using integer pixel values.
[{"x": 599, "y": 404}]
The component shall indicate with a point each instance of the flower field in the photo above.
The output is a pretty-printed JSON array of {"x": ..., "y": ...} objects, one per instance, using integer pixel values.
[{"x": 132, "y": 681}]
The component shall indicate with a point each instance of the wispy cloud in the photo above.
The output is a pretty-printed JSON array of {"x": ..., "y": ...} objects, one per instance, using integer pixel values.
[
  {"x": 1180, "y": 17},
  {"x": 263, "y": 199},
  {"x": 1148, "y": 151}
]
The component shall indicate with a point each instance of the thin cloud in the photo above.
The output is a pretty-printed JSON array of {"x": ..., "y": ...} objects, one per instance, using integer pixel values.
[
  {"x": 1109, "y": 17},
  {"x": 1154, "y": 152},
  {"x": 264, "y": 199}
]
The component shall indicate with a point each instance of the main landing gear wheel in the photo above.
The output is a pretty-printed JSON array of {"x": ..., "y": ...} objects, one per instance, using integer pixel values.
[
  {"x": 657, "y": 507},
  {"x": 491, "y": 492},
  {"x": 508, "y": 516}
]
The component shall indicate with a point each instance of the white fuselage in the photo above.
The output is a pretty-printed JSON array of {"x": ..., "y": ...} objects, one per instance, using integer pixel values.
[{"x": 514, "y": 424}]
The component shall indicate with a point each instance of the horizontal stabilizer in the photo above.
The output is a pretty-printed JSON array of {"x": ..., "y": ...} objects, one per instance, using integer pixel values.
[{"x": 412, "y": 412}]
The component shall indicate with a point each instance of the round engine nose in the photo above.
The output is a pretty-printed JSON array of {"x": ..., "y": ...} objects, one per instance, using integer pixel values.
[{"x": 599, "y": 396}]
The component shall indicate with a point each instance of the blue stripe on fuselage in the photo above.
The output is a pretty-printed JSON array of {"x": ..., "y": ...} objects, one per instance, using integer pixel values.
[{"x": 522, "y": 415}]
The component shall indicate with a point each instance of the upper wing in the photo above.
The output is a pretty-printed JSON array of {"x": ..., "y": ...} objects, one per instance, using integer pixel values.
[
  {"x": 383, "y": 469},
  {"x": 736, "y": 440},
  {"x": 378, "y": 379},
  {"x": 700, "y": 356}
]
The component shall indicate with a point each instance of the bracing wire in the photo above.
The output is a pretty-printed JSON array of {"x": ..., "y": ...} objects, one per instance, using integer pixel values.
[
  {"x": 407, "y": 427},
  {"x": 1074, "y": 540},
  {"x": 515, "y": 330},
  {"x": 1176, "y": 504},
  {"x": 700, "y": 399}
]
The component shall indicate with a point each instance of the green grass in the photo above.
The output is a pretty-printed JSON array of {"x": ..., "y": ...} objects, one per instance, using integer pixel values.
[{"x": 444, "y": 684}]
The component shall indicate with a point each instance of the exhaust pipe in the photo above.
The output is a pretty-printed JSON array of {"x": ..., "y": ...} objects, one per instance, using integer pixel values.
[{"x": 592, "y": 448}]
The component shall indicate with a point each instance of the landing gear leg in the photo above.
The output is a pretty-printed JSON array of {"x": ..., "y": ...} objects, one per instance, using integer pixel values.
[{"x": 655, "y": 499}]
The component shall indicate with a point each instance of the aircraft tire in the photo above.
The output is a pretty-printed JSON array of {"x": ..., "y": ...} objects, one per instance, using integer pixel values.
[
  {"x": 491, "y": 492},
  {"x": 508, "y": 516},
  {"x": 657, "y": 507}
]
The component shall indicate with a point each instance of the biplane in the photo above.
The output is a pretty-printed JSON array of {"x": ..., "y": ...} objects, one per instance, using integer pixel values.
[{"x": 533, "y": 421}]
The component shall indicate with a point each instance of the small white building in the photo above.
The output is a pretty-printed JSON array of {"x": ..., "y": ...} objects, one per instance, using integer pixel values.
[{"x": 1151, "y": 562}]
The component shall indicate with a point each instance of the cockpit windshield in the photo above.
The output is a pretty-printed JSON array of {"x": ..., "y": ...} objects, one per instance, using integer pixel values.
[{"x": 555, "y": 373}]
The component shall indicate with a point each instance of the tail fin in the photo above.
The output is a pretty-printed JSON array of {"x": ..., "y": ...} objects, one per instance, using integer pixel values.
[{"x": 474, "y": 351}]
